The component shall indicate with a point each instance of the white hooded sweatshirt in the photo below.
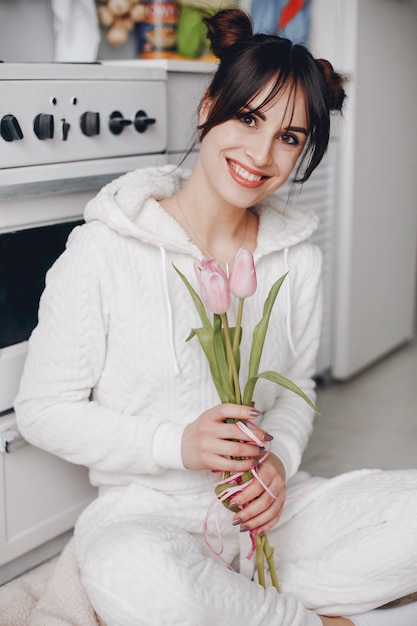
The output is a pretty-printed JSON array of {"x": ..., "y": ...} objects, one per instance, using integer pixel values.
[{"x": 109, "y": 364}]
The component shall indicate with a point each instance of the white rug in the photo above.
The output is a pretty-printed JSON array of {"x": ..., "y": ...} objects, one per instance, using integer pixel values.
[{"x": 49, "y": 595}]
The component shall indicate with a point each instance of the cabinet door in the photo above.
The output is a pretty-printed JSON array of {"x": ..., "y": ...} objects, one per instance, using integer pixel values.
[{"x": 41, "y": 497}]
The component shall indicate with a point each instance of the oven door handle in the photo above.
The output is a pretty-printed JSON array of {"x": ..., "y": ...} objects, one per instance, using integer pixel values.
[{"x": 10, "y": 441}]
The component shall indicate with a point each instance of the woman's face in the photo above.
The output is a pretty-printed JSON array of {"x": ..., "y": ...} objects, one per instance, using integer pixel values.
[{"x": 251, "y": 155}]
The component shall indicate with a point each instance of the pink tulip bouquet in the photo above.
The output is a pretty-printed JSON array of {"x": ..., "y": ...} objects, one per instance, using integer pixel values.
[{"x": 221, "y": 345}]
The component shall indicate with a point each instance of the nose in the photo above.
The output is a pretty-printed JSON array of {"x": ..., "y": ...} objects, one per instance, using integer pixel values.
[{"x": 260, "y": 150}]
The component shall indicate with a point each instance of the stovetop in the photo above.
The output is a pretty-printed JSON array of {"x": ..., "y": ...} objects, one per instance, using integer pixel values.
[{"x": 58, "y": 113}]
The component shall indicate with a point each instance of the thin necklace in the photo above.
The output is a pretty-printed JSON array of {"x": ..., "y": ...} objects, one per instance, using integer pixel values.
[{"x": 202, "y": 244}]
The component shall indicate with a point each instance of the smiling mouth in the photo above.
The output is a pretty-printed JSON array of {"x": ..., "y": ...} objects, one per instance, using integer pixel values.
[{"x": 243, "y": 173}]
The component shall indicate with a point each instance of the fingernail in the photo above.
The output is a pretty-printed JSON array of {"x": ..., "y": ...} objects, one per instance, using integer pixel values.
[
  {"x": 237, "y": 521},
  {"x": 233, "y": 505},
  {"x": 244, "y": 528},
  {"x": 267, "y": 437},
  {"x": 254, "y": 413}
]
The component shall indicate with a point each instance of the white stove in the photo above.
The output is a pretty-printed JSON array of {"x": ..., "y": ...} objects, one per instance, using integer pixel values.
[{"x": 67, "y": 128}]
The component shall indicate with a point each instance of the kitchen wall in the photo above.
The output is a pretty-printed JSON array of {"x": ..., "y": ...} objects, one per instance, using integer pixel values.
[{"x": 26, "y": 32}]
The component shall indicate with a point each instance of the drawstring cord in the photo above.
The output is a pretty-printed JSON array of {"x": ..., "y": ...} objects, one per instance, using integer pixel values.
[
  {"x": 288, "y": 318},
  {"x": 169, "y": 312}
]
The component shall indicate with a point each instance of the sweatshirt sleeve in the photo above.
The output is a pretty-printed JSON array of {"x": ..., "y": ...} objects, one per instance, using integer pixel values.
[
  {"x": 54, "y": 407},
  {"x": 166, "y": 446},
  {"x": 290, "y": 420}
]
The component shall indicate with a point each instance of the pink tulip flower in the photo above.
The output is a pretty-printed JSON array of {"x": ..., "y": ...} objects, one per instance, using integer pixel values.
[
  {"x": 214, "y": 285},
  {"x": 242, "y": 280}
]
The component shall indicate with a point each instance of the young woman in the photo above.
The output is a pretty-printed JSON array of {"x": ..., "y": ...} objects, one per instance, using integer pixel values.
[{"x": 111, "y": 383}]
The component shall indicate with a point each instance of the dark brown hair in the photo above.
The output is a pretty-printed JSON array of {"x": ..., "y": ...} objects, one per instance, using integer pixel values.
[{"x": 250, "y": 61}]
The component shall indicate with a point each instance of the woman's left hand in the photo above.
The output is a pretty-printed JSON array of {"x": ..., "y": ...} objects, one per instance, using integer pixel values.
[{"x": 259, "y": 509}]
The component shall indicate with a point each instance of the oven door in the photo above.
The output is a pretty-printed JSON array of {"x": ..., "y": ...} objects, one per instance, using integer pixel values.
[{"x": 41, "y": 495}]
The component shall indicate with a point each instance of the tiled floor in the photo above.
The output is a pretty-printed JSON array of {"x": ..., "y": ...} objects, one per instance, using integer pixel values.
[{"x": 369, "y": 421}]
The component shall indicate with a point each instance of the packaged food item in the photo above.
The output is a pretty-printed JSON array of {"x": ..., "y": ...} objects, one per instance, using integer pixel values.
[{"x": 157, "y": 34}]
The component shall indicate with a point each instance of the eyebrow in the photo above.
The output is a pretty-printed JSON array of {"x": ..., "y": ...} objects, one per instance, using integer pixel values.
[
  {"x": 258, "y": 112},
  {"x": 297, "y": 129}
]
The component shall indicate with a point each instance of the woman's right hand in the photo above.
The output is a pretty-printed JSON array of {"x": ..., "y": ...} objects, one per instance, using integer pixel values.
[{"x": 207, "y": 443}]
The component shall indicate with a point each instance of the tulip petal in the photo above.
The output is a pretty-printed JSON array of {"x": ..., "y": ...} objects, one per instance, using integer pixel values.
[
  {"x": 214, "y": 288},
  {"x": 242, "y": 280}
]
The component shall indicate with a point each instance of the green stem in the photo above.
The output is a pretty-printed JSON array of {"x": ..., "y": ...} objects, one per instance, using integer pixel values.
[
  {"x": 238, "y": 327},
  {"x": 259, "y": 547},
  {"x": 269, "y": 555},
  {"x": 231, "y": 357}
]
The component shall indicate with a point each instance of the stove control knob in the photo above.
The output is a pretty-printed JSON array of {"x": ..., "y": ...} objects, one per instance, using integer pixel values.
[
  {"x": 142, "y": 121},
  {"x": 65, "y": 129},
  {"x": 90, "y": 123},
  {"x": 117, "y": 122},
  {"x": 10, "y": 128},
  {"x": 43, "y": 125}
]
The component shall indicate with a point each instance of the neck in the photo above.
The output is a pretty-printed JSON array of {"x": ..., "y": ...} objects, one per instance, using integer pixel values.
[{"x": 217, "y": 232}]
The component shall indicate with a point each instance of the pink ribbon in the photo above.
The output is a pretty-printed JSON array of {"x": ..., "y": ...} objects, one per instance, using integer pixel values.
[
  {"x": 229, "y": 492},
  {"x": 236, "y": 488}
]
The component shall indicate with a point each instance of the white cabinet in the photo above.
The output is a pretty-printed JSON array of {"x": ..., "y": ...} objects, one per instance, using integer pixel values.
[
  {"x": 41, "y": 495},
  {"x": 375, "y": 238}
]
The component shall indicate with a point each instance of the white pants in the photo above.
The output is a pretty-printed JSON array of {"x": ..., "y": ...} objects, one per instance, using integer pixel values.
[{"x": 342, "y": 546}]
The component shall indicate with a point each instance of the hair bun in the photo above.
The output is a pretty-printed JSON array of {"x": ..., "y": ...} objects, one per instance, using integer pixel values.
[
  {"x": 225, "y": 28},
  {"x": 334, "y": 81}
]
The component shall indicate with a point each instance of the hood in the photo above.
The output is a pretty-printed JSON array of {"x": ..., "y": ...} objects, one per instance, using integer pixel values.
[{"x": 129, "y": 205}]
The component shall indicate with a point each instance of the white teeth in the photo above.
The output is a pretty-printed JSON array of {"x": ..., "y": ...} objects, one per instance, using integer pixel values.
[{"x": 244, "y": 173}]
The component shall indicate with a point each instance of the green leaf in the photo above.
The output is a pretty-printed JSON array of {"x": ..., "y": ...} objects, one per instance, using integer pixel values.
[
  {"x": 223, "y": 370},
  {"x": 288, "y": 384},
  {"x": 258, "y": 340},
  {"x": 211, "y": 341},
  {"x": 191, "y": 335},
  {"x": 205, "y": 337},
  {"x": 196, "y": 299}
]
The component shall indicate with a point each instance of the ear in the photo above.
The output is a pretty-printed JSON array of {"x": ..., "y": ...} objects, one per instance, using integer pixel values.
[{"x": 204, "y": 109}]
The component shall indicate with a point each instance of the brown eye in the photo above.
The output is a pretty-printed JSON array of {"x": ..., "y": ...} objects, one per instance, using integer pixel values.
[
  {"x": 289, "y": 139},
  {"x": 247, "y": 119}
]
